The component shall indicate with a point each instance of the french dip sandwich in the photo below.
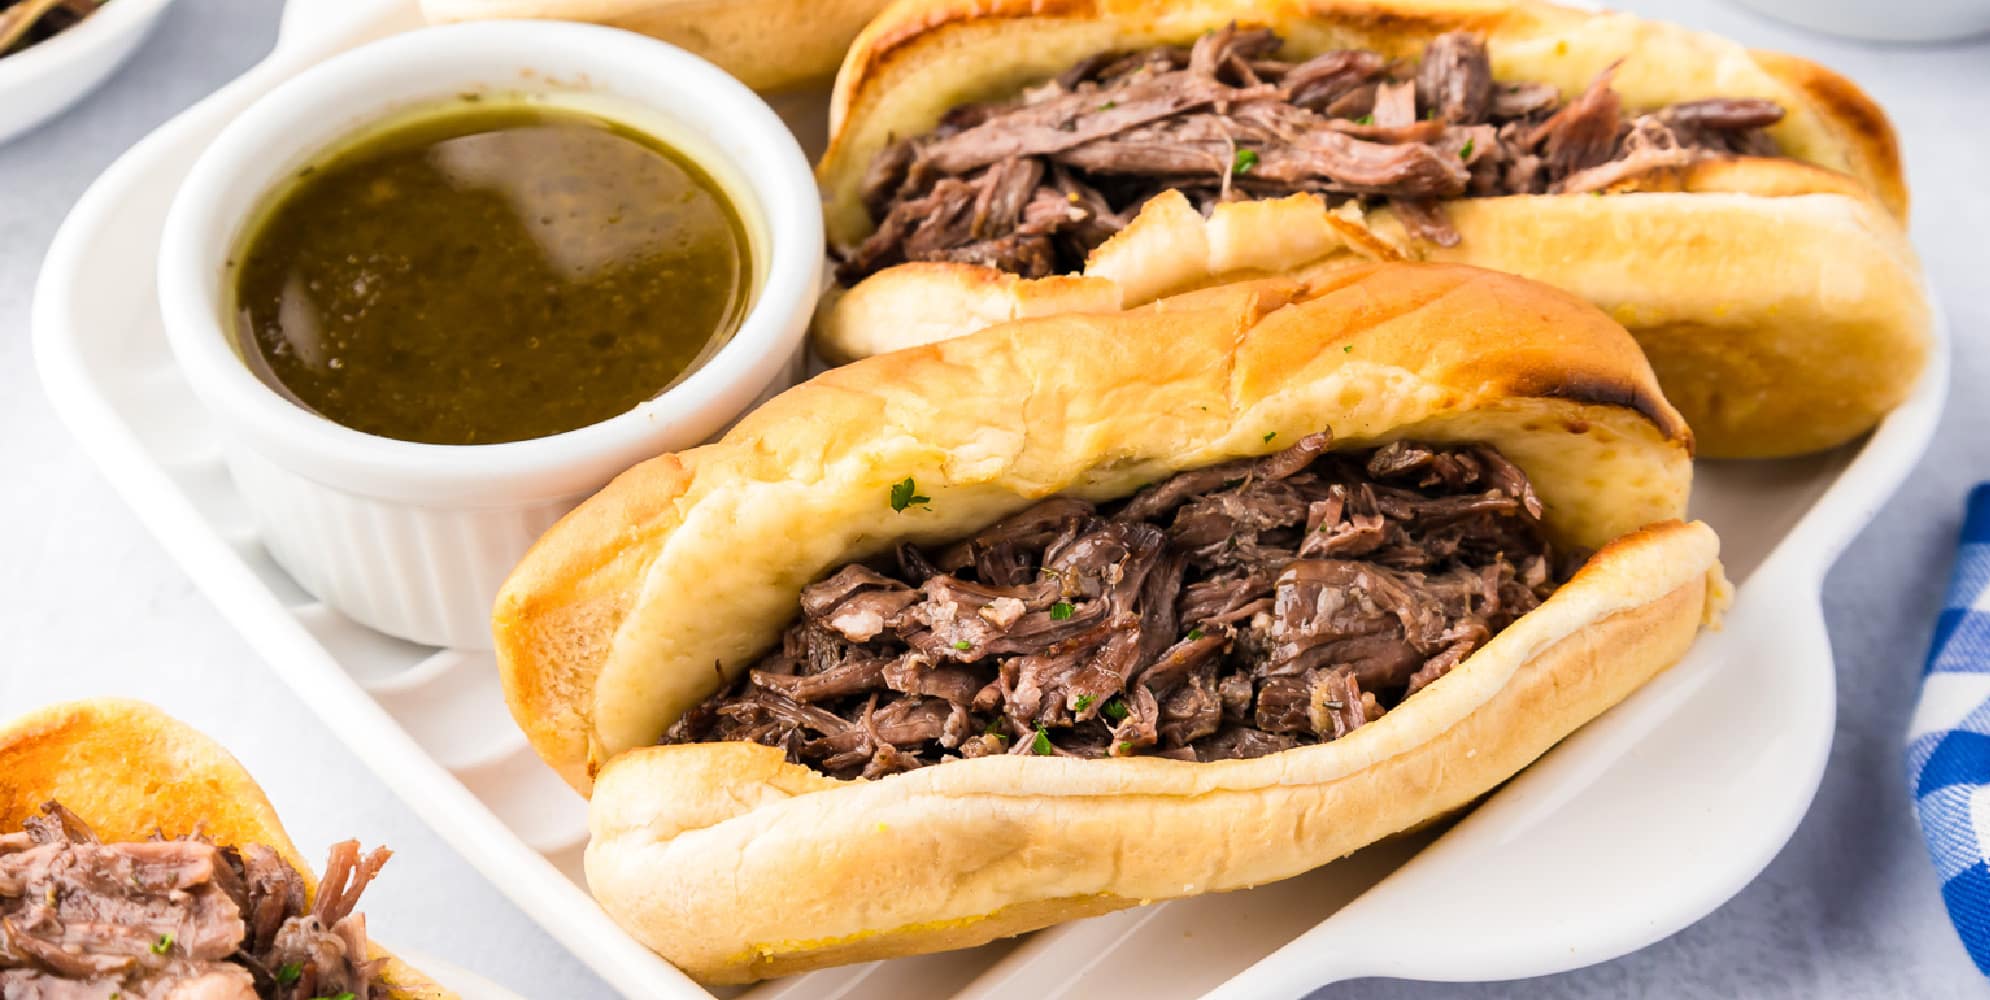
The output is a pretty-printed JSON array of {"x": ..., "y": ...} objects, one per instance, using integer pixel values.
[
  {"x": 1741, "y": 212},
  {"x": 1086, "y": 611},
  {"x": 138, "y": 860}
]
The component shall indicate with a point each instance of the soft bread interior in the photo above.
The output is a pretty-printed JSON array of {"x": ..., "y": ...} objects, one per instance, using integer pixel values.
[
  {"x": 690, "y": 842},
  {"x": 130, "y": 771},
  {"x": 920, "y": 58},
  {"x": 674, "y": 578}
]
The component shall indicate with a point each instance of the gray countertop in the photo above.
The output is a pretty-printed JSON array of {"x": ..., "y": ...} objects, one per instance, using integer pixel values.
[{"x": 89, "y": 604}]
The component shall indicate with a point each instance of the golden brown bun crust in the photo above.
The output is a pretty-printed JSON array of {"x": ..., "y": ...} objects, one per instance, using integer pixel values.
[
  {"x": 1778, "y": 325},
  {"x": 1857, "y": 120},
  {"x": 1784, "y": 316},
  {"x": 130, "y": 770},
  {"x": 920, "y": 57},
  {"x": 690, "y": 842},
  {"x": 630, "y": 610},
  {"x": 767, "y": 44}
]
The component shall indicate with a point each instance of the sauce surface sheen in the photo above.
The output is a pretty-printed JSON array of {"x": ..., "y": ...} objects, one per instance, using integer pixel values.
[{"x": 490, "y": 273}]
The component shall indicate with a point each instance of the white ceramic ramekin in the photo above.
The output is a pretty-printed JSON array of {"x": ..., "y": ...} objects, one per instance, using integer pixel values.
[
  {"x": 41, "y": 80},
  {"x": 415, "y": 539}
]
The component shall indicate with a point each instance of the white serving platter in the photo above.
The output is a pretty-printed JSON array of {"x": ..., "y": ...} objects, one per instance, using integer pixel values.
[
  {"x": 1635, "y": 827},
  {"x": 466, "y": 984}
]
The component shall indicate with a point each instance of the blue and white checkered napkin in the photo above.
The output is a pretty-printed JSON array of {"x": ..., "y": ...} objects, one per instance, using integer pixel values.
[{"x": 1948, "y": 743}]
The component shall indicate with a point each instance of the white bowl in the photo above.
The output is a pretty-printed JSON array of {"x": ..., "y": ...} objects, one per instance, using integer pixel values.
[
  {"x": 415, "y": 539},
  {"x": 43, "y": 79}
]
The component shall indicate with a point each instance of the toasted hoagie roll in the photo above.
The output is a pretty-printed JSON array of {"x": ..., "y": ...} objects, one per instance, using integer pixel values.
[
  {"x": 767, "y": 44},
  {"x": 103, "y": 779},
  {"x": 1745, "y": 220},
  {"x": 657, "y": 610}
]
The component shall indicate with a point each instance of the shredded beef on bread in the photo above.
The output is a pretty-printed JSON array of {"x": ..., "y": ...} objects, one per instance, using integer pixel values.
[
  {"x": 1033, "y": 185},
  {"x": 1225, "y": 612},
  {"x": 184, "y": 919}
]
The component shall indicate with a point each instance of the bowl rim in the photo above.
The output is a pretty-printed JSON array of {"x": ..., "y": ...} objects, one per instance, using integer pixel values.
[
  {"x": 767, "y": 338},
  {"x": 104, "y": 26}
]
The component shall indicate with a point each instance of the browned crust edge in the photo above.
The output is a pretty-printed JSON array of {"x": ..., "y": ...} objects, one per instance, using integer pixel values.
[{"x": 902, "y": 29}]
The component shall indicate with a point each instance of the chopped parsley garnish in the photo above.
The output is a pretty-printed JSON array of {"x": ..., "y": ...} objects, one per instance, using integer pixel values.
[
  {"x": 1084, "y": 701},
  {"x": 347, "y": 995},
  {"x": 1040, "y": 743},
  {"x": 1349, "y": 349},
  {"x": 1108, "y": 106},
  {"x": 1268, "y": 435},
  {"x": 1114, "y": 710},
  {"x": 1194, "y": 634},
  {"x": 904, "y": 494},
  {"x": 993, "y": 728},
  {"x": 1123, "y": 748},
  {"x": 1061, "y": 611},
  {"x": 288, "y": 973},
  {"x": 1466, "y": 153},
  {"x": 163, "y": 945},
  {"x": 1244, "y": 161},
  {"x": 1365, "y": 120},
  {"x": 963, "y": 645}
]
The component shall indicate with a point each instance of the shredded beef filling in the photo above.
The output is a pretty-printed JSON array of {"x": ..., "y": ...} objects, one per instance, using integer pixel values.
[
  {"x": 181, "y": 919},
  {"x": 1032, "y": 185},
  {"x": 1225, "y": 612}
]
